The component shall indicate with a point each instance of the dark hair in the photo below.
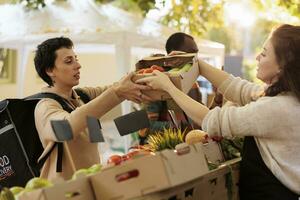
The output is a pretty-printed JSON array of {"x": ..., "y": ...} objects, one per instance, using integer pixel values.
[
  {"x": 45, "y": 55},
  {"x": 286, "y": 42},
  {"x": 176, "y": 43}
]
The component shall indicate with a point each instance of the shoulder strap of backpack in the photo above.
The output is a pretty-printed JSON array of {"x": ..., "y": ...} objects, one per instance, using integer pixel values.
[
  {"x": 66, "y": 107},
  {"x": 62, "y": 101},
  {"x": 83, "y": 96}
]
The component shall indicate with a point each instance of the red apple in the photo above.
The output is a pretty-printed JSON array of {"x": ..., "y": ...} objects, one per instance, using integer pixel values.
[{"x": 115, "y": 159}]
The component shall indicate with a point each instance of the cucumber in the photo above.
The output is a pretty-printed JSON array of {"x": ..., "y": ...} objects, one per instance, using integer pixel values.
[
  {"x": 186, "y": 68},
  {"x": 178, "y": 70},
  {"x": 174, "y": 70}
]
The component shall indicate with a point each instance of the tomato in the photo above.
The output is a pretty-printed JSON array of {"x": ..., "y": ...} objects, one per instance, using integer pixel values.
[
  {"x": 141, "y": 71},
  {"x": 125, "y": 157},
  {"x": 138, "y": 153},
  {"x": 132, "y": 153},
  {"x": 156, "y": 67},
  {"x": 148, "y": 70},
  {"x": 115, "y": 159}
]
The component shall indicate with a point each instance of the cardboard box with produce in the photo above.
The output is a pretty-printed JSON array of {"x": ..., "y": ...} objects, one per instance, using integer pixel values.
[
  {"x": 180, "y": 68},
  {"x": 171, "y": 162},
  {"x": 79, "y": 187},
  {"x": 220, "y": 183},
  {"x": 150, "y": 173},
  {"x": 171, "y": 157}
]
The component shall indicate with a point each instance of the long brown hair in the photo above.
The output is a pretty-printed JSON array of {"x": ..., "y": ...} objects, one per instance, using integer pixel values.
[{"x": 286, "y": 42}]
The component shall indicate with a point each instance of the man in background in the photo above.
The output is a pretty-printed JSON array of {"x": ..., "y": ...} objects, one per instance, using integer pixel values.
[{"x": 158, "y": 111}]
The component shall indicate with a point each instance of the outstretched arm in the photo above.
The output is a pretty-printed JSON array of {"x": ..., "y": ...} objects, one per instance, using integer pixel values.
[
  {"x": 212, "y": 74},
  {"x": 192, "y": 108}
]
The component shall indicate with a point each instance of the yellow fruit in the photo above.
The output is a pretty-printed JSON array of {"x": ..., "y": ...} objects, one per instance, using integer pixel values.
[
  {"x": 80, "y": 173},
  {"x": 195, "y": 136},
  {"x": 36, "y": 183},
  {"x": 16, "y": 190},
  {"x": 95, "y": 168},
  {"x": 6, "y": 194}
]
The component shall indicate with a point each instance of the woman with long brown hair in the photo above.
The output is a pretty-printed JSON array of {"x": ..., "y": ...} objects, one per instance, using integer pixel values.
[{"x": 267, "y": 116}]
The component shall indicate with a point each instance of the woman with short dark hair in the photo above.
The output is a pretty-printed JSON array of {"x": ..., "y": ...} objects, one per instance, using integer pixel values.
[{"x": 57, "y": 64}]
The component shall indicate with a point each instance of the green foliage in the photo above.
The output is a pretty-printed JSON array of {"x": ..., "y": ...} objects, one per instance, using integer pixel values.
[
  {"x": 290, "y": 6},
  {"x": 166, "y": 139},
  {"x": 249, "y": 69},
  {"x": 104, "y": 1},
  {"x": 136, "y": 6},
  {"x": 232, "y": 147},
  {"x": 31, "y": 4},
  {"x": 260, "y": 33},
  {"x": 293, "y": 6},
  {"x": 226, "y": 36},
  {"x": 194, "y": 16}
]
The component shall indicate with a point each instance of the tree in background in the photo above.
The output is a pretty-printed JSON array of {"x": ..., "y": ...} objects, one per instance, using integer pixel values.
[
  {"x": 205, "y": 19},
  {"x": 195, "y": 17},
  {"x": 31, "y": 4},
  {"x": 136, "y": 6},
  {"x": 290, "y": 6},
  {"x": 293, "y": 6}
]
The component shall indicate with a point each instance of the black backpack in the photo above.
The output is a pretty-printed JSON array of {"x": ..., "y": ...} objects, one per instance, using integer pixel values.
[{"x": 20, "y": 146}]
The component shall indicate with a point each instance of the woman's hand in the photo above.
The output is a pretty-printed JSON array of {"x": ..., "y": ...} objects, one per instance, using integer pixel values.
[
  {"x": 129, "y": 90},
  {"x": 159, "y": 81}
]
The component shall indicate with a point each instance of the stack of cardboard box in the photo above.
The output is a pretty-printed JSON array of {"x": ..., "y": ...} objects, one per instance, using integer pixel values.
[{"x": 168, "y": 174}]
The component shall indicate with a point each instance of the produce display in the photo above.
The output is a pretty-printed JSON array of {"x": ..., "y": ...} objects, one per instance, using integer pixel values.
[
  {"x": 232, "y": 148},
  {"x": 195, "y": 136},
  {"x": 172, "y": 146},
  {"x": 136, "y": 152},
  {"x": 33, "y": 184},
  {"x": 6, "y": 194},
  {"x": 166, "y": 61},
  {"x": 166, "y": 139},
  {"x": 89, "y": 171},
  {"x": 171, "y": 71}
]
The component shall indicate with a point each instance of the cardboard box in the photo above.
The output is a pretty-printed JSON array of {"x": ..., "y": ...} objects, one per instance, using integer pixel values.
[
  {"x": 183, "y": 81},
  {"x": 213, "y": 152},
  {"x": 79, "y": 189},
  {"x": 211, "y": 186},
  {"x": 217, "y": 182},
  {"x": 187, "y": 191},
  {"x": 149, "y": 174}
]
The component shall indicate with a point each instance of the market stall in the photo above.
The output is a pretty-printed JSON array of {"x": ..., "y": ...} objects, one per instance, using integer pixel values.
[{"x": 184, "y": 172}]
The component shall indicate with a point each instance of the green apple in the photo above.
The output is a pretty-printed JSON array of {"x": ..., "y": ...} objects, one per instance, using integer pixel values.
[
  {"x": 6, "y": 194},
  {"x": 95, "y": 168},
  {"x": 80, "y": 173},
  {"x": 16, "y": 190},
  {"x": 36, "y": 183}
]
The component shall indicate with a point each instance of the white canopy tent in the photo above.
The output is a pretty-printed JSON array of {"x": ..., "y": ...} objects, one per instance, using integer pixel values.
[{"x": 89, "y": 25}]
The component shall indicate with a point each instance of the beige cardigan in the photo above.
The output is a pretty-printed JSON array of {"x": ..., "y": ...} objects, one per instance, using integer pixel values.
[
  {"x": 79, "y": 152},
  {"x": 273, "y": 121}
]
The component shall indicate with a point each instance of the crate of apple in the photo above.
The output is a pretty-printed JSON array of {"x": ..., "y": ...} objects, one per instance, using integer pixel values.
[{"x": 118, "y": 159}]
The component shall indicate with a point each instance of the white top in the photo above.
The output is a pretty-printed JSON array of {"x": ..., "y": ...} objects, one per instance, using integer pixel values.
[{"x": 273, "y": 121}]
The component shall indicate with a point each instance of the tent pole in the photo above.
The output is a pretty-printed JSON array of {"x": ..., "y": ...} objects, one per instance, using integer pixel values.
[
  {"x": 23, "y": 54},
  {"x": 123, "y": 56},
  {"x": 123, "y": 60}
]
